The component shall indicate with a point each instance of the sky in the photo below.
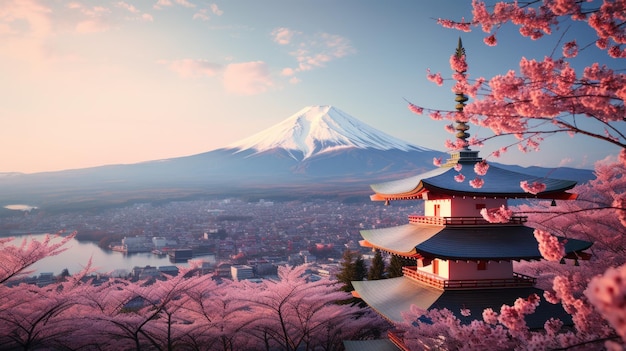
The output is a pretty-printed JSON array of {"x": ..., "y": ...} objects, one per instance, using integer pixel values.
[{"x": 99, "y": 82}]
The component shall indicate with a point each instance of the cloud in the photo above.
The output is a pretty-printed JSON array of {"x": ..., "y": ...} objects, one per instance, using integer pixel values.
[
  {"x": 287, "y": 72},
  {"x": 130, "y": 8},
  {"x": 14, "y": 14},
  {"x": 311, "y": 52},
  {"x": 25, "y": 27},
  {"x": 248, "y": 78},
  {"x": 322, "y": 49},
  {"x": 91, "y": 26},
  {"x": 168, "y": 3},
  {"x": 193, "y": 67},
  {"x": 185, "y": 3},
  {"x": 201, "y": 15},
  {"x": 565, "y": 161},
  {"x": 216, "y": 10},
  {"x": 283, "y": 36}
]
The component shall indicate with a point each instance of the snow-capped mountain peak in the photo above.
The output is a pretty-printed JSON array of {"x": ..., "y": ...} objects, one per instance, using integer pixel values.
[{"x": 318, "y": 129}]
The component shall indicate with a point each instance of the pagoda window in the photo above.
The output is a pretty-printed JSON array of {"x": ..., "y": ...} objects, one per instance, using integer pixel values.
[
  {"x": 482, "y": 265},
  {"x": 435, "y": 266},
  {"x": 437, "y": 210}
]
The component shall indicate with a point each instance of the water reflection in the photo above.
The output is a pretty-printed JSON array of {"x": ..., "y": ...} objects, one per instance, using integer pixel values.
[{"x": 77, "y": 256}]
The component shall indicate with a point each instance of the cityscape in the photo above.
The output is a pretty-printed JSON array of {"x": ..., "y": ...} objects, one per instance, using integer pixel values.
[{"x": 223, "y": 232}]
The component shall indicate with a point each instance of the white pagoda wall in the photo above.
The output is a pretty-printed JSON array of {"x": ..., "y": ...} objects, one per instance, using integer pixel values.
[
  {"x": 459, "y": 207},
  {"x": 444, "y": 207},
  {"x": 463, "y": 270}
]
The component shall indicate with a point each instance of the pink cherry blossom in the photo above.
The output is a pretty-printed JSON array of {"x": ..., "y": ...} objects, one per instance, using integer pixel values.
[
  {"x": 415, "y": 109},
  {"x": 533, "y": 188},
  {"x": 481, "y": 167},
  {"x": 570, "y": 49},
  {"x": 608, "y": 294},
  {"x": 437, "y": 161},
  {"x": 549, "y": 246},
  {"x": 460, "y": 178},
  {"x": 491, "y": 40},
  {"x": 435, "y": 78},
  {"x": 477, "y": 182},
  {"x": 497, "y": 215}
]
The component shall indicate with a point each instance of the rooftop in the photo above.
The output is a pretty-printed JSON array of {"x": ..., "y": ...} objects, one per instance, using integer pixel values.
[
  {"x": 441, "y": 182},
  {"x": 473, "y": 242},
  {"x": 391, "y": 297}
]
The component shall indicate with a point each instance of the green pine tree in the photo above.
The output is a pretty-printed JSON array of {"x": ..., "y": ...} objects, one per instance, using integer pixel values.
[
  {"x": 377, "y": 268},
  {"x": 395, "y": 265},
  {"x": 352, "y": 269},
  {"x": 349, "y": 271}
]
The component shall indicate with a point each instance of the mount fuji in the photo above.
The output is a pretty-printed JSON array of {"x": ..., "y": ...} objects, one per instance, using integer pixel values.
[
  {"x": 318, "y": 151},
  {"x": 316, "y": 130}
]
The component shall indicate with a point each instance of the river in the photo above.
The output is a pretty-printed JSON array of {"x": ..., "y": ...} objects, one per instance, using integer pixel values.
[{"x": 78, "y": 253}]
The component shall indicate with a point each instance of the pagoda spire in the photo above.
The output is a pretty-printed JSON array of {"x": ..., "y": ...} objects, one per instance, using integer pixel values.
[
  {"x": 461, "y": 127},
  {"x": 460, "y": 99}
]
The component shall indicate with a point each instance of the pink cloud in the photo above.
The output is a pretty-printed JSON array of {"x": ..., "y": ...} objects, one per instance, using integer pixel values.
[
  {"x": 248, "y": 78},
  {"x": 316, "y": 51},
  {"x": 201, "y": 15},
  {"x": 287, "y": 72},
  {"x": 193, "y": 67},
  {"x": 91, "y": 26},
  {"x": 130, "y": 8},
  {"x": 185, "y": 3},
  {"x": 14, "y": 13},
  {"x": 162, "y": 3},
  {"x": 283, "y": 36},
  {"x": 216, "y": 10},
  {"x": 565, "y": 161}
]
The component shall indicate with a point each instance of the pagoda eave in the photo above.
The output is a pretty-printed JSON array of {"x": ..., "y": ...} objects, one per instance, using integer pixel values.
[
  {"x": 410, "y": 254},
  {"x": 391, "y": 297},
  {"x": 434, "y": 193}
]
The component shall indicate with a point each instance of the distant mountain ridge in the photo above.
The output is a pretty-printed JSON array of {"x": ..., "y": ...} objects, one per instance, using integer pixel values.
[{"x": 318, "y": 151}]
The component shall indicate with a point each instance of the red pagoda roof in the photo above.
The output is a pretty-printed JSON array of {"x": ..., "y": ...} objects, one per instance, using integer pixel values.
[{"x": 441, "y": 183}]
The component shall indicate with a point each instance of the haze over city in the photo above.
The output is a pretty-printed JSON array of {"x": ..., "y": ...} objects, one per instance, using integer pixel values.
[{"x": 110, "y": 82}]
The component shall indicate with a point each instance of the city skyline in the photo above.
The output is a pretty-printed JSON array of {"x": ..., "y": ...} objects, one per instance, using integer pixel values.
[{"x": 114, "y": 82}]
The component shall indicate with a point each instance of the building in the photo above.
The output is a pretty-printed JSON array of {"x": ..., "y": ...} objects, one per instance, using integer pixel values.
[
  {"x": 240, "y": 272},
  {"x": 461, "y": 260}
]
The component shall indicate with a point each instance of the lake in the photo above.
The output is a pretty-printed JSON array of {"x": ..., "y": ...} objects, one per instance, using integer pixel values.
[{"x": 77, "y": 255}]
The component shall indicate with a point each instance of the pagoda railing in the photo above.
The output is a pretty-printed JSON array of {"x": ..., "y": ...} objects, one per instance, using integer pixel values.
[
  {"x": 461, "y": 221},
  {"x": 518, "y": 280}
]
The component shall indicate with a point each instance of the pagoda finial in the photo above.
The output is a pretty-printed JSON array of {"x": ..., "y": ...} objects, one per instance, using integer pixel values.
[
  {"x": 460, "y": 50},
  {"x": 461, "y": 127}
]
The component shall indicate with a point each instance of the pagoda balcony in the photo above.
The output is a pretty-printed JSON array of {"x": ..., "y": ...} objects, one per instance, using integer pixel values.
[
  {"x": 517, "y": 281},
  {"x": 463, "y": 221}
]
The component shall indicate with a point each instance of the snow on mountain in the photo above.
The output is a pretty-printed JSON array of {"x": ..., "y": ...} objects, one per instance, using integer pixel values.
[{"x": 319, "y": 129}]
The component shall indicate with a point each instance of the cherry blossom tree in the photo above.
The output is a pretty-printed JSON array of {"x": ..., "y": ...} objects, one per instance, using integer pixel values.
[
  {"x": 16, "y": 259},
  {"x": 188, "y": 311},
  {"x": 546, "y": 96},
  {"x": 291, "y": 315}
]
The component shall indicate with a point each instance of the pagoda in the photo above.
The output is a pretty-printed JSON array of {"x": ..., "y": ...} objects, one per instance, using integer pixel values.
[{"x": 461, "y": 260}]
